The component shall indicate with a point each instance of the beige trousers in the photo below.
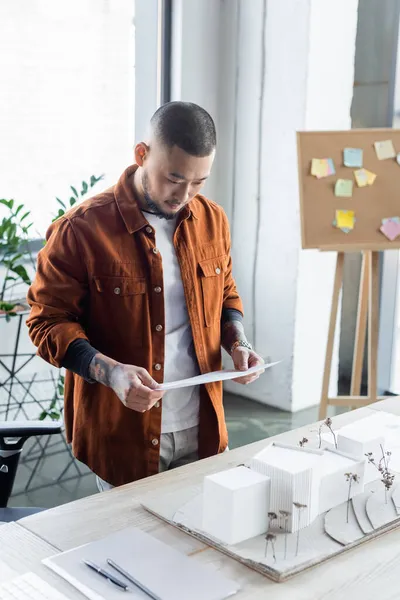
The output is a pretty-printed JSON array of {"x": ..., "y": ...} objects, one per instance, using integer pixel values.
[{"x": 176, "y": 449}]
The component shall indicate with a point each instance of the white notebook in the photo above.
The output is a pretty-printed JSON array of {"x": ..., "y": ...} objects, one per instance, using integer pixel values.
[{"x": 167, "y": 573}]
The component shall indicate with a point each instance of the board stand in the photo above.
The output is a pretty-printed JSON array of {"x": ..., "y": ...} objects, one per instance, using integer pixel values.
[{"x": 368, "y": 311}]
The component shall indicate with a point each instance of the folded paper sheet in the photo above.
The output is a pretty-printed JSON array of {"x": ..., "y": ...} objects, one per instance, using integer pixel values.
[{"x": 213, "y": 376}]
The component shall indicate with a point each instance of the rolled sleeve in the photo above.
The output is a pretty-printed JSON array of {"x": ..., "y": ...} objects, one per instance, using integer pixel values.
[
  {"x": 232, "y": 299},
  {"x": 57, "y": 294}
]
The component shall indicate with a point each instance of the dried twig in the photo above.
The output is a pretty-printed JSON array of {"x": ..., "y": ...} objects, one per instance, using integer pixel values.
[
  {"x": 285, "y": 514},
  {"x": 350, "y": 477},
  {"x": 300, "y": 507},
  {"x": 383, "y": 468},
  {"x": 270, "y": 537}
]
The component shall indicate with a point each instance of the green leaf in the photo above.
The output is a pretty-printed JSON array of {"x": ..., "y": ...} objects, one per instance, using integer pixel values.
[
  {"x": 8, "y": 203},
  {"x": 85, "y": 188},
  {"x": 20, "y": 207},
  {"x": 72, "y": 201},
  {"x": 6, "y": 306},
  {"x": 61, "y": 202},
  {"x": 55, "y": 415},
  {"x": 60, "y": 389},
  {"x": 94, "y": 179},
  {"x": 21, "y": 271},
  {"x": 74, "y": 191},
  {"x": 42, "y": 415},
  {"x": 62, "y": 378},
  {"x": 24, "y": 216}
]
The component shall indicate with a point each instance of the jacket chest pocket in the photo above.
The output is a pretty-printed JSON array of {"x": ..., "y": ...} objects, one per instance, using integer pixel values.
[
  {"x": 212, "y": 276},
  {"x": 123, "y": 304}
]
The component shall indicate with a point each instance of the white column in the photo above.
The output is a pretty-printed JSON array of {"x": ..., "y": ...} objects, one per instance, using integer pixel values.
[{"x": 272, "y": 67}]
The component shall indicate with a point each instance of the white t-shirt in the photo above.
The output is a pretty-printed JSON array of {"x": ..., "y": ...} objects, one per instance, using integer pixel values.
[{"x": 180, "y": 408}]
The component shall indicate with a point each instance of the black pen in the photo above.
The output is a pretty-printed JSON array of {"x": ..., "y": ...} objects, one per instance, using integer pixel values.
[
  {"x": 106, "y": 575},
  {"x": 133, "y": 579}
]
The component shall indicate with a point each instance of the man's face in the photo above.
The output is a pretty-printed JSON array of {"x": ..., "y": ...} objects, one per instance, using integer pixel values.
[{"x": 171, "y": 178}]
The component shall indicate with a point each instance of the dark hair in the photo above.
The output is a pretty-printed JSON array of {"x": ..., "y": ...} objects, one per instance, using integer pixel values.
[{"x": 185, "y": 125}]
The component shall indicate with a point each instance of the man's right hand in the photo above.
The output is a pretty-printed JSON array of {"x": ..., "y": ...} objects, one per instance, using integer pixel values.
[{"x": 133, "y": 385}]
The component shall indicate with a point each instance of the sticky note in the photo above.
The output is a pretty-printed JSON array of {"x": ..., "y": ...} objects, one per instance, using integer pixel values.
[
  {"x": 364, "y": 177},
  {"x": 391, "y": 228},
  {"x": 353, "y": 157},
  {"x": 385, "y": 150},
  {"x": 345, "y": 220},
  {"x": 322, "y": 167},
  {"x": 344, "y": 188}
]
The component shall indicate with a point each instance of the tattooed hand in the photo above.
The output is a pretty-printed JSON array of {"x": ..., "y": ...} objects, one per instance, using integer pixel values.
[
  {"x": 133, "y": 385},
  {"x": 244, "y": 359}
]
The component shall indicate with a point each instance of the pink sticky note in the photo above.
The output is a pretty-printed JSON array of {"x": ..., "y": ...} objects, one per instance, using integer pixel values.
[{"x": 391, "y": 229}]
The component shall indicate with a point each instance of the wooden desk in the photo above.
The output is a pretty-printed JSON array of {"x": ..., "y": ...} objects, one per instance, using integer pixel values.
[{"x": 368, "y": 572}]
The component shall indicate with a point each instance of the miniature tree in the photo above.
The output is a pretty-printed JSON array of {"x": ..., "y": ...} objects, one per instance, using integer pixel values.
[
  {"x": 272, "y": 517},
  {"x": 300, "y": 507},
  {"x": 285, "y": 515},
  {"x": 327, "y": 423},
  {"x": 303, "y": 442},
  {"x": 270, "y": 537},
  {"x": 350, "y": 478},
  {"x": 383, "y": 468}
]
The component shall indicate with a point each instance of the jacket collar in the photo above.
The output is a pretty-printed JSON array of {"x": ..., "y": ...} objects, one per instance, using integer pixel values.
[{"x": 128, "y": 205}]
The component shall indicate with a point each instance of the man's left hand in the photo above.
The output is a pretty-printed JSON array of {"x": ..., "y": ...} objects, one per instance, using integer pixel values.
[{"x": 244, "y": 359}]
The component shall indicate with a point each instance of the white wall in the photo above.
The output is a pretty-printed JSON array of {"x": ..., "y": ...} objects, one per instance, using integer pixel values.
[
  {"x": 66, "y": 102},
  {"x": 330, "y": 78},
  {"x": 282, "y": 67}
]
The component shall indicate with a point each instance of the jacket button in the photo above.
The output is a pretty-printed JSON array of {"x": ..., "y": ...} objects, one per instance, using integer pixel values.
[
  {"x": 157, "y": 367},
  {"x": 218, "y": 270},
  {"x": 117, "y": 290},
  {"x": 157, "y": 405},
  {"x": 149, "y": 230},
  {"x": 154, "y": 442},
  {"x": 159, "y": 327},
  {"x": 155, "y": 250},
  {"x": 157, "y": 289}
]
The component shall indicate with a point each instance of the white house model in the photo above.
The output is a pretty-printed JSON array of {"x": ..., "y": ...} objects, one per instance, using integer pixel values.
[
  {"x": 236, "y": 505},
  {"x": 314, "y": 479},
  {"x": 302, "y": 482},
  {"x": 377, "y": 432}
]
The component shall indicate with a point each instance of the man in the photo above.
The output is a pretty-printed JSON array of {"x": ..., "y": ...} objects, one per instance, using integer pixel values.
[{"x": 134, "y": 287}]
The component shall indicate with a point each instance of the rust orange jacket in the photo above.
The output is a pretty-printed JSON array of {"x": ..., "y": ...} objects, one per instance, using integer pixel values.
[{"x": 99, "y": 277}]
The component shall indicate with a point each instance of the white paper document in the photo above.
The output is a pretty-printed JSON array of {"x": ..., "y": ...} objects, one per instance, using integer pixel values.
[
  {"x": 213, "y": 376},
  {"x": 165, "y": 572}
]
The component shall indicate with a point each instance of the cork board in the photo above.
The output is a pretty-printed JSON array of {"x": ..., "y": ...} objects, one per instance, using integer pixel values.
[{"x": 371, "y": 204}]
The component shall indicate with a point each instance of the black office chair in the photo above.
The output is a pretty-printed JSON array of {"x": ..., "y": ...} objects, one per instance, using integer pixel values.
[{"x": 13, "y": 435}]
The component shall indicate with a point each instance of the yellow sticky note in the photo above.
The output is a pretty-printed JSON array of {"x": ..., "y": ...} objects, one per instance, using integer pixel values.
[
  {"x": 317, "y": 167},
  {"x": 385, "y": 149},
  {"x": 371, "y": 177},
  {"x": 364, "y": 177},
  {"x": 345, "y": 219},
  {"x": 344, "y": 188},
  {"x": 322, "y": 167}
]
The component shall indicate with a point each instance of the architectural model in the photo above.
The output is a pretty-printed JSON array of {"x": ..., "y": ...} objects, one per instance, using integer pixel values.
[{"x": 292, "y": 506}]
